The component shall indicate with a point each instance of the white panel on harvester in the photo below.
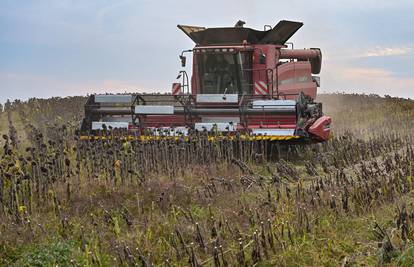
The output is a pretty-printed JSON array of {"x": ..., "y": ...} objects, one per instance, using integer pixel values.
[
  {"x": 217, "y": 98},
  {"x": 113, "y": 98},
  {"x": 275, "y": 104},
  {"x": 276, "y": 132},
  {"x": 154, "y": 110}
]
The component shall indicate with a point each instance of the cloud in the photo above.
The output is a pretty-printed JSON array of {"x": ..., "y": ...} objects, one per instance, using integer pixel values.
[
  {"x": 386, "y": 52},
  {"x": 23, "y": 86},
  {"x": 105, "y": 86},
  {"x": 78, "y": 47},
  {"x": 367, "y": 80},
  {"x": 365, "y": 73},
  {"x": 365, "y": 53}
]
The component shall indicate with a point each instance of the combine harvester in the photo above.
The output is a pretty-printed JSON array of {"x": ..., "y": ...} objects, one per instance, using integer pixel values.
[{"x": 245, "y": 83}]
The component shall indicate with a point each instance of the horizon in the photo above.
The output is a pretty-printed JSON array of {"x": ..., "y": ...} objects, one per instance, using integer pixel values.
[
  {"x": 319, "y": 94},
  {"x": 66, "y": 48}
]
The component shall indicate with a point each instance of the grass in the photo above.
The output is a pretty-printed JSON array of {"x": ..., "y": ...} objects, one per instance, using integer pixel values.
[
  {"x": 99, "y": 205},
  {"x": 3, "y": 123}
]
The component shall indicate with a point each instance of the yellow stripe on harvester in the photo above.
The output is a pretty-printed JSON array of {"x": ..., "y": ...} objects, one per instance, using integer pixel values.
[{"x": 144, "y": 138}]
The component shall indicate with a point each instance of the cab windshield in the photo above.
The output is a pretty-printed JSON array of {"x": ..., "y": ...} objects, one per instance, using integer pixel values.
[{"x": 225, "y": 73}]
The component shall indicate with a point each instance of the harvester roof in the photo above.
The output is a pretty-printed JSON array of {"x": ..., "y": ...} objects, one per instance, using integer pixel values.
[{"x": 236, "y": 35}]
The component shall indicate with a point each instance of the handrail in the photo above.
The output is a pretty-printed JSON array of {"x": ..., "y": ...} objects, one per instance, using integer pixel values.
[{"x": 155, "y": 99}]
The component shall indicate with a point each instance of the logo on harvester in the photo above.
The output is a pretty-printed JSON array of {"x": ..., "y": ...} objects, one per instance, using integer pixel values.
[
  {"x": 260, "y": 88},
  {"x": 176, "y": 88}
]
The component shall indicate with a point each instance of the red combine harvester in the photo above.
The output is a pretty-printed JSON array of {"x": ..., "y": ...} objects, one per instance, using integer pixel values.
[{"x": 245, "y": 83}]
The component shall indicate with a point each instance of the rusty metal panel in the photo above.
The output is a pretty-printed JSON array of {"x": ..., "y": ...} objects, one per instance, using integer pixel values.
[
  {"x": 220, "y": 36},
  {"x": 190, "y": 29},
  {"x": 281, "y": 32},
  {"x": 231, "y": 36}
]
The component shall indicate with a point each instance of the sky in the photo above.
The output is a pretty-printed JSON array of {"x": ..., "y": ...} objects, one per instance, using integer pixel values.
[{"x": 77, "y": 47}]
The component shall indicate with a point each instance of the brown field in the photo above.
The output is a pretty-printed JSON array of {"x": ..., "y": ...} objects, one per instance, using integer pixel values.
[{"x": 348, "y": 202}]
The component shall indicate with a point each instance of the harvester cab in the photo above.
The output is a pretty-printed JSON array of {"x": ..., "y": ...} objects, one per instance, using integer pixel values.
[{"x": 244, "y": 82}]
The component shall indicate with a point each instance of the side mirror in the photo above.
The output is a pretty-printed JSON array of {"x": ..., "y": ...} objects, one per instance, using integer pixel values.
[
  {"x": 262, "y": 58},
  {"x": 183, "y": 60}
]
